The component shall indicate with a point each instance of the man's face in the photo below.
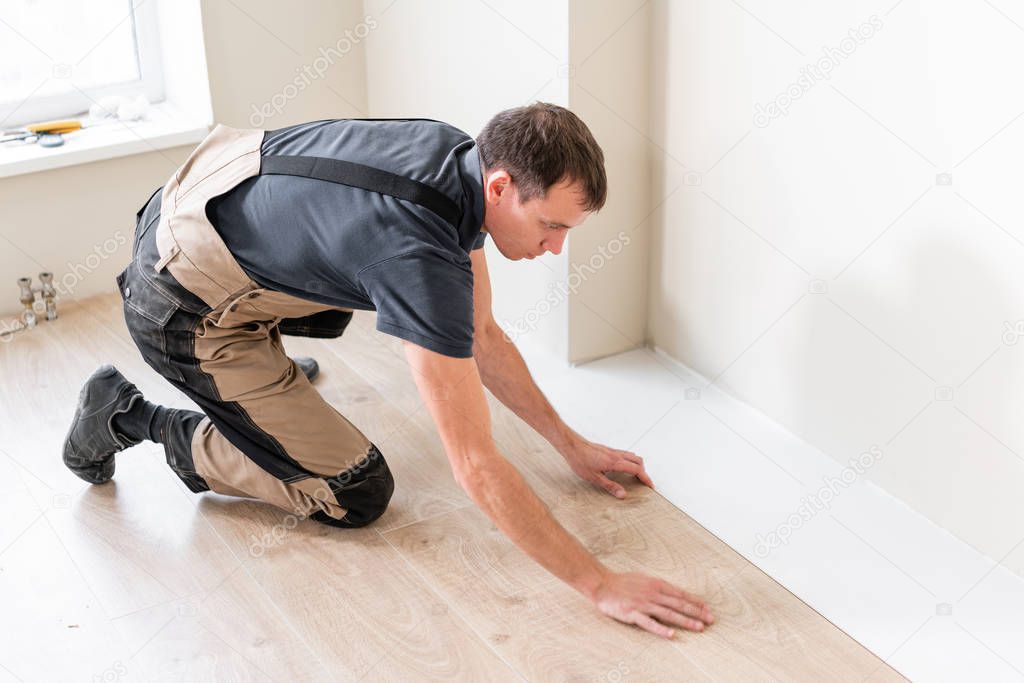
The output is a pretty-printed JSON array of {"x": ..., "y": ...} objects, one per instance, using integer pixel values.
[{"x": 531, "y": 228}]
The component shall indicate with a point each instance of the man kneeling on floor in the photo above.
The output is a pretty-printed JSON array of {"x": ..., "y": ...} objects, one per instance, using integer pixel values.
[{"x": 263, "y": 233}]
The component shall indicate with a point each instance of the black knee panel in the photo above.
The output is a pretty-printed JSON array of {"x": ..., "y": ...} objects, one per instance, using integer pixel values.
[
  {"x": 328, "y": 324},
  {"x": 364, "y": 490}
]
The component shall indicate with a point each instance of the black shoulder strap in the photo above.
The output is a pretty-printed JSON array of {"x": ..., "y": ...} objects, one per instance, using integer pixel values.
[{"x": 366, "y": 178}]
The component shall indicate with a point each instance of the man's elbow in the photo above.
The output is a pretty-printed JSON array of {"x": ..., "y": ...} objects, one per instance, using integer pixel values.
[
  {"x": 467, "y": 479},
  {"x": 475, "y": 477},
  {"x": 469, "y": 476}
]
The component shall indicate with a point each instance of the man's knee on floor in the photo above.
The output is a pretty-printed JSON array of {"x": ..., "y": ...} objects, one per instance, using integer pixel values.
[{"x": 364, "y": 490}]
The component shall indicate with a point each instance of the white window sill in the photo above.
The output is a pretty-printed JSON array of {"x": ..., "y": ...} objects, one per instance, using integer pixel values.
[{"x": 164, "y": 126}]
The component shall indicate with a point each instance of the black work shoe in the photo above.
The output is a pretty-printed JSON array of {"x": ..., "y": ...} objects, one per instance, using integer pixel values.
[
  {"x": 91, "y": 442},
  {"x": 310, "y": 368}
]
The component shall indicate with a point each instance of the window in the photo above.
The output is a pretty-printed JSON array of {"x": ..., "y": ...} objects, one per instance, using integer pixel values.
[{"x": 58, "y": 57}]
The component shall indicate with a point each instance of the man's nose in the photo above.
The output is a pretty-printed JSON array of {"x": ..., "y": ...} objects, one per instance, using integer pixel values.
[{"x": 554, "y": 245}]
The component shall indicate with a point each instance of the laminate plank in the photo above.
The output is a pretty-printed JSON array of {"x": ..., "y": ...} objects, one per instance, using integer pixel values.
[
  {"x": 424, "y": 484},
  {"x": 354, "y": 601},
  {"x": 54, "y": 629},
  {"x": 541, "y": 626},
  {"x": 142, "y": 579},
  {"x": 225, "y": 634}
]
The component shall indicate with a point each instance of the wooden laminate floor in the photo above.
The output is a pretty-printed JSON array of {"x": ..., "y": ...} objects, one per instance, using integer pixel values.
[{"x": 140, "y": 580}]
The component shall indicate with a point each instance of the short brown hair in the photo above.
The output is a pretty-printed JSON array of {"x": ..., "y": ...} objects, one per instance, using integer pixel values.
[{"x": 540, "y": 145}]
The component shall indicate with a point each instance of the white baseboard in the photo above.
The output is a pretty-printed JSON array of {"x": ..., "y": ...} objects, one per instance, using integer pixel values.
[{"x": 923, "y": 600}]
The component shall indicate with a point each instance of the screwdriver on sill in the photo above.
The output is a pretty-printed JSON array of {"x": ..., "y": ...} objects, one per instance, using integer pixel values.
[
  {"x": 55, "y": 127},
  {"x": 46, "y": 133}
]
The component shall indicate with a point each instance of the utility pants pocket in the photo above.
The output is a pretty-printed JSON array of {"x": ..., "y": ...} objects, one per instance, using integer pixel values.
[
  {"x": 144, "y": 297},
  {"x": 147, "y": 312}
]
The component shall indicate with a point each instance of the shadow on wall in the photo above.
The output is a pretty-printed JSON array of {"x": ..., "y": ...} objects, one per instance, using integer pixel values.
[{"x": 941, "y": 301}]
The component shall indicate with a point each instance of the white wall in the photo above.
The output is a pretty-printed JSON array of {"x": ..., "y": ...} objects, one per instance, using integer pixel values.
[
  {"x": 819, "y": 266},
  {"x": 77, "y": 221},
  {"x": 462, "y": 61}
]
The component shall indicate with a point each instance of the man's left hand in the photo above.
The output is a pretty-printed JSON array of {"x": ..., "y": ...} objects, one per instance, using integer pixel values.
[{"x": 590, "y": 461}]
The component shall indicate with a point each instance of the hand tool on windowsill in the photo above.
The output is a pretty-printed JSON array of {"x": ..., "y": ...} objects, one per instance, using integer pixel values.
[{"x": 46, "y": 133}]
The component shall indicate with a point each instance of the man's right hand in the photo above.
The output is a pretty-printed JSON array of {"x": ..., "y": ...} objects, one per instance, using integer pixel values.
[
  {"x": 650, "y": 603},
  {"x": 452, "y": 390}
]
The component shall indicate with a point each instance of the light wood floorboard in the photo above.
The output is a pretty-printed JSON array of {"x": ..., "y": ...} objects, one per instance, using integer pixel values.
[{"x": 140, "y": 579}]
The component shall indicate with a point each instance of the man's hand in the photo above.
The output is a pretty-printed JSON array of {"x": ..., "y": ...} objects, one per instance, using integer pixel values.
[
  {"x": 590, "y": 461},
  {"x": 503, "y": 371},
  {"x": 452, "y": 391},
  {"x": 650, "y": 603}
]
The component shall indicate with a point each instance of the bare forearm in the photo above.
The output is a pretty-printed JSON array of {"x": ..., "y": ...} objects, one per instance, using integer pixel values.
[
  {"x": 505, "y": 373},
  {"x": 454, "y": 394},
  {"x": 505, "y": 497}
]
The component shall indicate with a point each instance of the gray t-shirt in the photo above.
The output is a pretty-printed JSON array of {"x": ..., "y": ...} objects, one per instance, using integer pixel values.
[{"x": 353, "y": 248}]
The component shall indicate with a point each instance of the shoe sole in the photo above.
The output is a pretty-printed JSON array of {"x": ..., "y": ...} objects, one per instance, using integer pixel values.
[{"x": 101, "y": 372}]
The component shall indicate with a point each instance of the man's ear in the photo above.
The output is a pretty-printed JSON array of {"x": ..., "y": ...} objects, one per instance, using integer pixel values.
[{"x": 499, "y": 184}]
